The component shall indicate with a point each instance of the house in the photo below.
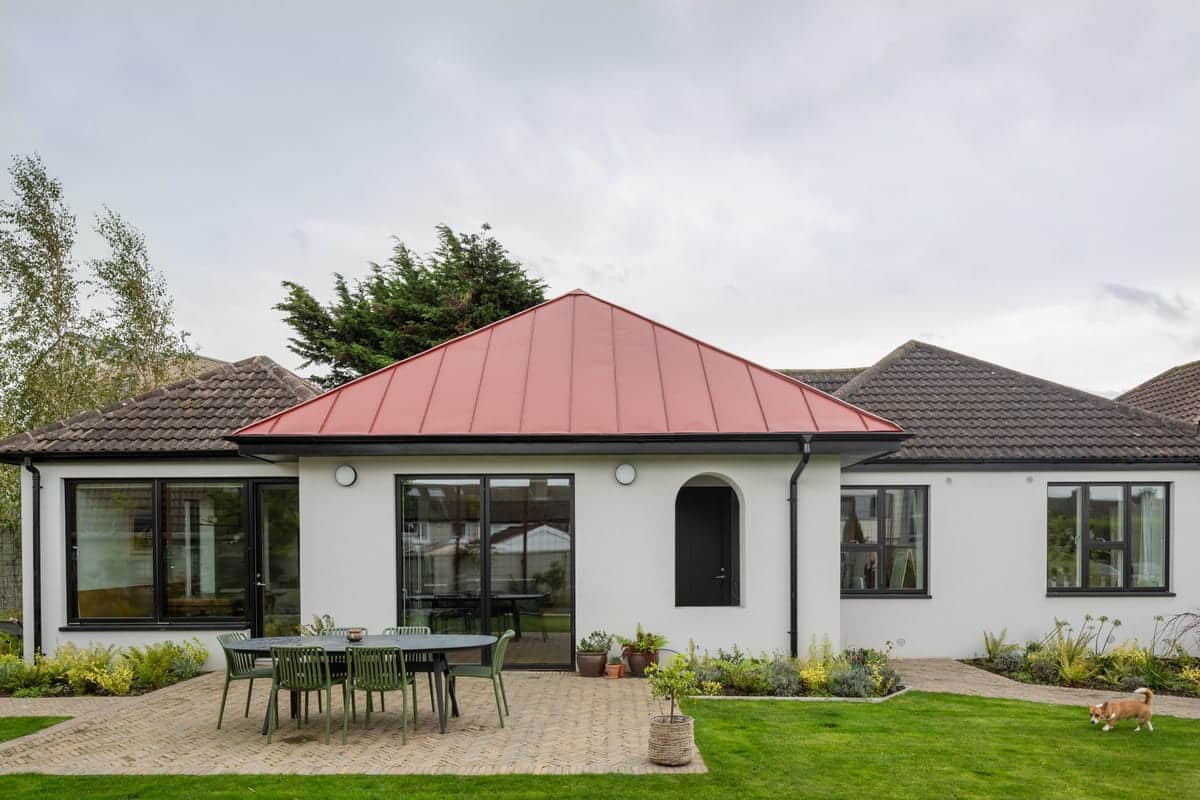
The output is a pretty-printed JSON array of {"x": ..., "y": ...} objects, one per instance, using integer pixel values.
[
  {"x": 579, "y": 466},
  {"x": 1174, "y": 393}
]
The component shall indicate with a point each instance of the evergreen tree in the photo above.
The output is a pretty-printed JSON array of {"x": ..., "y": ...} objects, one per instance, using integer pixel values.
[{"x": 407, "y": 304}]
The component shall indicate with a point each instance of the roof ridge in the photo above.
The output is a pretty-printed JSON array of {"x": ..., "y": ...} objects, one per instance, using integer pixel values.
[{"x": 913, "y": 345}]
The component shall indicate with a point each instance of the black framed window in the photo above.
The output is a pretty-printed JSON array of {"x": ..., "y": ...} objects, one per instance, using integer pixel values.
[
  {"x": 159, "y": 551},
  {"x": 885, "y": 540},
  {"x": 1107, "y": 537}
]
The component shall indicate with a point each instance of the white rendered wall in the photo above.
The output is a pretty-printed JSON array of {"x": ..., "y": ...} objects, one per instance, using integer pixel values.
[
  {"x": 624, "y": 550},
  {"x": 987, "y": 563},
  {"x": 54, "y": 563}
]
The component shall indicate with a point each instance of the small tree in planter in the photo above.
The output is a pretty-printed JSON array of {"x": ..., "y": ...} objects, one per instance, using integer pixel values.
[
  {"x": 591, "y": 656},
  {"x": 671, "y": 736},
  {"x": 642, "y": 650}
]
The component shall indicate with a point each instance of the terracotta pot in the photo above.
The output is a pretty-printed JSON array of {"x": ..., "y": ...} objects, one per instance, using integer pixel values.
[
  {"x": 671, "y": 741},
  {"x": 639, "y": 661},
  {"x": 616, "y": 670},
  {"x": 591, "y": 665}
]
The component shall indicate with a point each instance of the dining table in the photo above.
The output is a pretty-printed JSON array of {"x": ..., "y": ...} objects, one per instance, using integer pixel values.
[{"x": 430, "y": 654}]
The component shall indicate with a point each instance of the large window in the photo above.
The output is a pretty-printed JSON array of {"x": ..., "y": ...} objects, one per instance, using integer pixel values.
[
  {"x": 885, "y": 540},
  {"x": 158, "y": 551},
  {"x": 488, "y": 553},
  {"x": 1106, "y": 537}
]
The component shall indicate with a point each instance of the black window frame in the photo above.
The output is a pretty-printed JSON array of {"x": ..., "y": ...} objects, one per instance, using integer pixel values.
[
  {"x": 880, "y": 590},
  {"x": 485, "y": 546},
  {"x": 158, "y": 503},
  {"x": 1086, "y": 546}
]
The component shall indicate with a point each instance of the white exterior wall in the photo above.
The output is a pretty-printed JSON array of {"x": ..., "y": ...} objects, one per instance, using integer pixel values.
[
  {"x": 624, "y": 542},
  {"x": 987, "y": 563},
  {"x": 54, "y": 560}
]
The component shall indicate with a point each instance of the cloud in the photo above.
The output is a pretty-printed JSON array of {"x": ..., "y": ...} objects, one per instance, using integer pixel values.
[{"x": 1171, "y": 309}]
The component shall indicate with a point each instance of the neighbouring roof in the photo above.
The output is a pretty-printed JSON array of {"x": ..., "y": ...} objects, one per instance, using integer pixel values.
[
  {"x": 573, "y": 366},
  {"x": 1175, "y": 393},
  {"x": 962, "y": 409},
  {"x": 191, "y": 416},
  {"x": 827, "y": 380}
]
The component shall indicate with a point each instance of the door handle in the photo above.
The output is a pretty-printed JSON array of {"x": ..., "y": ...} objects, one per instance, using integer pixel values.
[{"x": 261, "y": 584}]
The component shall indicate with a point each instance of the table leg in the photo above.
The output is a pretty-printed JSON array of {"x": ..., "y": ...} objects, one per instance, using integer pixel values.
[
  {"x": 453, "y": 700},
  {"x": 439, "y": 672},
  {"x": 516, "y": 613}
]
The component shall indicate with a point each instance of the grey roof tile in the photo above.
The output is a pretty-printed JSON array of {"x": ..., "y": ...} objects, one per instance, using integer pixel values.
[
  {"x": 827, "y": 380},
  {"x": 189, "y": 416},
  {"x": 963, "y": 409}
]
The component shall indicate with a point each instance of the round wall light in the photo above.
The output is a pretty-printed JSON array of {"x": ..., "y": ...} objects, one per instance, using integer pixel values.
[
  {"x": 625, "y": 474},
  {"x": 345, "y": 475}
]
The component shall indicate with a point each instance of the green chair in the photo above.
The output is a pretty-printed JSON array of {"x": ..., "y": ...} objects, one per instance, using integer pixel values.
[
  {"x": 302, "y": 669},
  {"x": 379, "y": 669},
  {"x": 239, "y": 667},
  {"x": 416, "y": 630},
  {"x": 340, "y": 633},
  {"x": 492, "y": 672}
]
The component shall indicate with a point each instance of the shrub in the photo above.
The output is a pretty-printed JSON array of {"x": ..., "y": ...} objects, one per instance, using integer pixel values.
[
  {"x": 10, "y": 645},
  {"x": 1009, "y": 662},
  {"x": 157, "y": 665},
  {"x": 1129, "y": 658},
  {"x": 849, "y": 680},
  {"x": 1131, "y": 682},
  {"x": 994, "y": 645},
  {"x": 783, "y": 677},
  {"x": 1190, "y": 675},
  {"x": 1043, "y": 670},
  {"x": 815, "y": 677}
]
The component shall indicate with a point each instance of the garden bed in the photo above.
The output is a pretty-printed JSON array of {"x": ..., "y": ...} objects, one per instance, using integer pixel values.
[
  {"x": 859, "y": 674},
  {"x": 98, "y": 670},
  {"x": 1085, "y": 657}
]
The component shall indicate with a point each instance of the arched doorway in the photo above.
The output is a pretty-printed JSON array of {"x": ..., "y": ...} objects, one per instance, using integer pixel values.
[{"x": 707, "y": 523}]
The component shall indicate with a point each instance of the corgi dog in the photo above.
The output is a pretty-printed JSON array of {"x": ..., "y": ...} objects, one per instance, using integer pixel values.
[{"x": 1113, "y": 711}]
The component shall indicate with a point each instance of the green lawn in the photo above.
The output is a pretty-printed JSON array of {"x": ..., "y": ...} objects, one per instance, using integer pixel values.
[
  {"x": 916, "y": 746},
  {"x": 12, "y": 727}
]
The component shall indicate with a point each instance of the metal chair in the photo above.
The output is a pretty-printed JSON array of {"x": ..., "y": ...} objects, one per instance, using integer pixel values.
[
  {"x": 340, "y": 633},
  {"x": 379, "y": 669},
  {"x": 491, "y": 672},
  {"x": 238, "y": 667},
  {"x": 302, "y": 669},
  {"x": 424, "y": 657}
]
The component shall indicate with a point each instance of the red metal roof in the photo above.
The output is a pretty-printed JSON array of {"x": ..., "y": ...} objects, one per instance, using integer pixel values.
[{"x": 572, "y": 365}]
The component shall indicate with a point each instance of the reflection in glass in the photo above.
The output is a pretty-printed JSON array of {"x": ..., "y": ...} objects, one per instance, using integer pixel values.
[
  {"x": 114, "y": 556},
  {"x": 1148, "y": 535},
  {"x": 279, "y": 505},
  {"x": 1106, "y": 513},
  {"x": 860, "y": 517},
  {"x": 205, "y": 549},
  {"x": 1064, "y": 516},
  {"x": 1106, "y": 569},
  {"x": 859, "y": 569},
  {"x": 904, "y": 541}
]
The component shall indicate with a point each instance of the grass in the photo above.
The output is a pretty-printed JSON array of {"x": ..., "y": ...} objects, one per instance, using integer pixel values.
[
  {"x": 13, "y": 727},
  {"x": 916, "y": 746}
]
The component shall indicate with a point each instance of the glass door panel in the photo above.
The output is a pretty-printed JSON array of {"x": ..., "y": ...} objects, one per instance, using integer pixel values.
[
  {"x": 205, "y": 550},
  {"x": 279, "y": 559},
  {"x": 441, "y": 554},
  {"x": 530, "y": 545}
]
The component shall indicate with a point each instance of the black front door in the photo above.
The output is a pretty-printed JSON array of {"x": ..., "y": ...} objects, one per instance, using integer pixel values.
[
  {"x": 705, "y": 546},
  {"x": 277, "y": 558}
]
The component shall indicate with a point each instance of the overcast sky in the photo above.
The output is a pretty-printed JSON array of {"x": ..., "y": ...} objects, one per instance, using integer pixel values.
[{"x": 807, "y": 185}]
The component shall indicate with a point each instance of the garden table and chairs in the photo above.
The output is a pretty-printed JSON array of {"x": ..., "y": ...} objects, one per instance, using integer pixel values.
[{"x": 317, "y": 663}]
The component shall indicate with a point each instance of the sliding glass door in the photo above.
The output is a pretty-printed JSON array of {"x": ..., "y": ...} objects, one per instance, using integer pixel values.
[{"x": 489, "y": 553}]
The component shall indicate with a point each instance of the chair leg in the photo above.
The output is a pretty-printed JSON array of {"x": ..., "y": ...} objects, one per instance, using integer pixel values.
[
  {"x": 318, "y": 702},
  {"x": 249, "y": 694},
  {"x": 414, "y": 702},
  {"x": 272, "y": 712},
  {"x": 224, "y": 694},
  {"x": 345, "y": 711},
  {"x": 404, "y": 714},
  {"x": 382, "y": 705},
  {"x": 302, "y": 717},
  {"x": 504, "y": 694},
  {"x": 432, "y": 704},
  {"x": 328, "y": 709},
  {"x": 367, "y": 716},
  {"x": 353, "y": 706},
  {"x": 496, "y": 691}
]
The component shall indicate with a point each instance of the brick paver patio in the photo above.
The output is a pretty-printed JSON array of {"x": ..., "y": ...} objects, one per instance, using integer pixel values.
[
  {"x": 947, "y": 675},
  {"x": 560, "y": 723}
]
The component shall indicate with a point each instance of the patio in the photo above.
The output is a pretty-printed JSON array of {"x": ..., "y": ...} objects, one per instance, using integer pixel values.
[{"x": 560, "y": 724}]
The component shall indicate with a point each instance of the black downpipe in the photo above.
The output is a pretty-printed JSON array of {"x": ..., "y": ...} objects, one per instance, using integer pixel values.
[
  {"x": 37, "y": 554},
  {"x": 793, "y": 507}
]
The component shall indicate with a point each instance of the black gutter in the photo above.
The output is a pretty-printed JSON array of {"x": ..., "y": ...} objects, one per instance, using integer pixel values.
[
  {"x": 794, "y": 548},
  {"x": 37, "y": 554}
]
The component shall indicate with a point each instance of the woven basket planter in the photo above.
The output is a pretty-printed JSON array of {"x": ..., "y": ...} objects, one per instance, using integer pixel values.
[{"x": 671, "y": 743}]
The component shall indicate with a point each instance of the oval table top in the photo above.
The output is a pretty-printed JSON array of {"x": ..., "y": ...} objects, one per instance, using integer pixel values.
[{"x": 434, "y": 642}]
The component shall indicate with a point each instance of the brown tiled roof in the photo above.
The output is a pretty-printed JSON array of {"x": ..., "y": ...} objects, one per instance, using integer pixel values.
[
  {"x": 1175, "y": 393},
  {"x": 190, "y": 416},
  {"x": 827, "y": 380},
  {"x": 961, "y": 409}
]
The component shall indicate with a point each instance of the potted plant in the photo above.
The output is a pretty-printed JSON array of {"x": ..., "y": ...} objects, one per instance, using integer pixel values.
[
  {"x": 592, "y": 654},
  {"x": 671, "y": 736},
  {"x": 642, "y": 650},
  {"x": 616, "y": 667}
]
